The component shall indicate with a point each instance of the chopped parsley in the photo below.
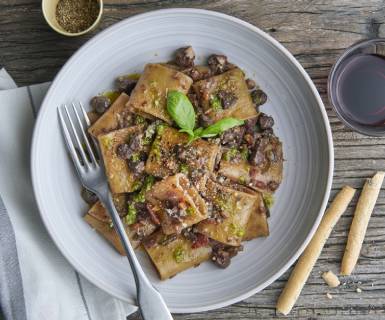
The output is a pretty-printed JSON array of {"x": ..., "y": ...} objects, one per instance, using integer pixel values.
[
  {"x": 135, "y": 157},
  {"x": 106, "y": 141},
  {"x": 130, "y": 218},
  {"x": 183, "y": 168},
  {"x": 136, "y": 185},
  {"x": 149, "y": 134},
  {"x": 190, "y": 211},
  {"x": 237, "y": 230},
  {"x": 221, "y": 203},
  {"x": 240, "y": 233},
  {"x": 178, "y": 254},
  {"x": 155, "y": 149},
  {"x": 215, "y": 103},
  {"x": 230, "y": 154},
  {"x": 244, "y": 153},
  {"x": 242, "y": 180},
  {"x": 160, "y": 128},
  {"x": 139, "y": 119},
  {"x": 156, "y": 152},
  {"x": 140, "y": 197},
  {"x": 268, "y": 199},
  {"x": 147, "y": 185}
]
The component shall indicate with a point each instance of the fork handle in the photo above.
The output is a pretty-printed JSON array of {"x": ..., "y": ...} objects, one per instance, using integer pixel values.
[{"x": 151, "y": 303}]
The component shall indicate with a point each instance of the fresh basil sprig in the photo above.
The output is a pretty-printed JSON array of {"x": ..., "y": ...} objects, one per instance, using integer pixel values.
[{"x": 182, "y": 112}]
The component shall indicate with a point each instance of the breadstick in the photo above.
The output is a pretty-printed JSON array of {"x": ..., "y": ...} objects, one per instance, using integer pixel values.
[
  {"x": 309, "y": 257},
  {"x": 360, "y": 222},
  {"x": 331, "y": 279}
]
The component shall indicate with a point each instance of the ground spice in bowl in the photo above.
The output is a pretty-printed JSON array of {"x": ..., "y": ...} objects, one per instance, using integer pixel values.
[{"x": 76, "y": 15}]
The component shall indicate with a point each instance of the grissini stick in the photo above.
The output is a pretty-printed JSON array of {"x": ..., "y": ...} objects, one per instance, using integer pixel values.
[
  {"x": 309, "y": 257},
  {"x": 364, "y": 209}
]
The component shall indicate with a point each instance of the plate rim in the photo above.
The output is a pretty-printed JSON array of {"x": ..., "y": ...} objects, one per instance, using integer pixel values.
[{"x": 271, "y": 40}]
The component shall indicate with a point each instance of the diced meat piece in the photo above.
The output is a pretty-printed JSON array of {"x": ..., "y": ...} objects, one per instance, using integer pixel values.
[
  {"x": 181, "y": 152},
  {"x": 265, "y": 121},
  {"x": 198, "y": 72},
  {"x": 93, "y": 116},
  {"x": 251, "y": 125},
  {"x": 228, "y": 99},
  {"x": 258, "y": 156},
  {"x": 175, "y": 208},
  {"x": 200, "y": 241},
  {"x": 233, "y": 137},
  {"x": 194, "y": 100},
  {"x": 204, "y": 120},
  {"x": 137, "y": 167},
  {"x": 89, "y": 196},
  {"x": 266, "y": 150},
  {"x": 124, "y": 151},
  {"x": 136, "y": 142},
  {"x": 193, "y": 73},
  {"x": 217, "y": 63},
  {"x": 125, "y": 84},
  {"x": 221, "y": 258},
  {"x": 185, "y": 57},
  {"x": 100, "y": 104},
  {"x": 222, "y": 254},
  {"x": 149, "y": 242},
  {"x": 251, "y": 132},
  {"x": 141, "y": 211},
  {"x": 146, "y": 219},
  {"x": 153, "y": 216},
  {"x": 258, "y": 97},
  {"x": 250, "y": 84}
]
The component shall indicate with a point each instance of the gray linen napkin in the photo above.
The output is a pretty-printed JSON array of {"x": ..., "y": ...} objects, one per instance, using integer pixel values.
[{"x": 11, "y": 287}]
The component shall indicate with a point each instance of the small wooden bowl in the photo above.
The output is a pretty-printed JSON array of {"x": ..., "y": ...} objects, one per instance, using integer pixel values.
[{"x": 49, "y": 12}]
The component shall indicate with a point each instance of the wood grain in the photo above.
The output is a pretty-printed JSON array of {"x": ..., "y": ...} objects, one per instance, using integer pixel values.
[{"x": 316, "y": 32}]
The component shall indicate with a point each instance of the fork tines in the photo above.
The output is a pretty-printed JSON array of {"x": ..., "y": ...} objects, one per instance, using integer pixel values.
[{"x": 74, "y": 125}]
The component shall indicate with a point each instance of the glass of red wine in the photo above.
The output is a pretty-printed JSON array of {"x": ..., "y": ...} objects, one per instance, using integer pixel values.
[{"x": 356, "y": 87}]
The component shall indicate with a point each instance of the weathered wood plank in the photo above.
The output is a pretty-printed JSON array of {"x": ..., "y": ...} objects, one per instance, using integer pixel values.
[{"x": 316, "y": 32}]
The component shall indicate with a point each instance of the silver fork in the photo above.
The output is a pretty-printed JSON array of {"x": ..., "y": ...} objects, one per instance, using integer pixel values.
[{"x": 92, "y": 176}]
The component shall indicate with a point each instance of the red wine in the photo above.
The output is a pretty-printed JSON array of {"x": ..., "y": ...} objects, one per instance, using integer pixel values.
[{"x": 360, "y": 89}]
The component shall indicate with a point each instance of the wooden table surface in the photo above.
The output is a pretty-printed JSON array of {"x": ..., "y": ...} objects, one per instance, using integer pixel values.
[{"x": 316, "y": 32}]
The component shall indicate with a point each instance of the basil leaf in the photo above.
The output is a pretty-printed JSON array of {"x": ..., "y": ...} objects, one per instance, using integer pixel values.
[
  {"x": 188, "y": 131},
  {"x": 181, "y": 111},
  {"x": 220, "y": 126},
  {"x": 192, "y": 139},
  {"x": 195, "y": 135},
  {"x": 198, "y": 131}
]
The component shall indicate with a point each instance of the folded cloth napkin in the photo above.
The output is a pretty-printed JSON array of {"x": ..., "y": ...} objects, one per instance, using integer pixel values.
[{"x": 36, "y": 282}]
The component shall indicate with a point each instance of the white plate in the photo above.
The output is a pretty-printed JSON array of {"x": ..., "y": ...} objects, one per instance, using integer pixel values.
[{"x": 301, "y": 123}]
